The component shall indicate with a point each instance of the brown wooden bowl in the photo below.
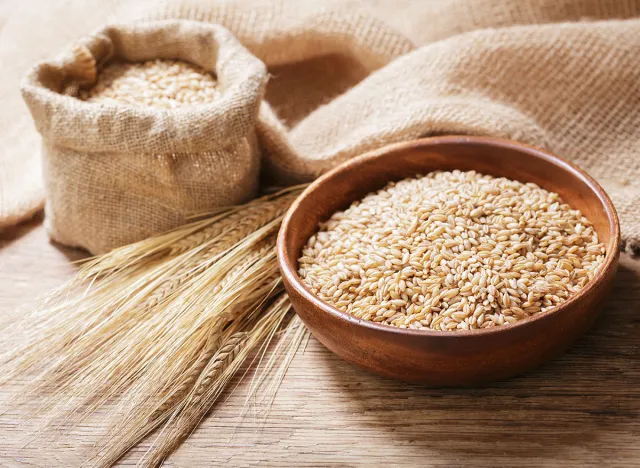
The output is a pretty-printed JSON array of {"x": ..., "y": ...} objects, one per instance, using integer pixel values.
[{"x": 460, "y": 357}]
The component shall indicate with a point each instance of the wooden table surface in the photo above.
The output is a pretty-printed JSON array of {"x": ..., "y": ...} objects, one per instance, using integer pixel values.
[{"x": 582, "y": 409}]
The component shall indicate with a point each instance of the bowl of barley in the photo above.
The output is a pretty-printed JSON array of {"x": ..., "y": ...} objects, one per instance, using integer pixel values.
[{"x": 450, "y": 260}]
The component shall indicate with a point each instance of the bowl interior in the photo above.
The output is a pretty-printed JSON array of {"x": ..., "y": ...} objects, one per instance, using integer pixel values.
[{"x": 337, "y": 189}]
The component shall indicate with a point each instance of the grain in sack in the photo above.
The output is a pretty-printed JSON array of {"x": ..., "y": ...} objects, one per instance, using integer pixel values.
[{"x": 142, "y": 126}]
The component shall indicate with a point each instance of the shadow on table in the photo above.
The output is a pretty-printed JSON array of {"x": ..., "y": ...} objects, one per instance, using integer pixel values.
[
  {"x": 29, "y": 233},
  {"x": 583, "y": 405},
  {"x": 12, "y": 233}
]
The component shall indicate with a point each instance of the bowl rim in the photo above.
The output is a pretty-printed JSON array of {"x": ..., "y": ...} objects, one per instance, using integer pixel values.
[{"x": 288, "y": 267}]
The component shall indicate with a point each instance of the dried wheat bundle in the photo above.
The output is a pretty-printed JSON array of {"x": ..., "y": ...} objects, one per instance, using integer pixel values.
[{"x": 155, "y": 330}]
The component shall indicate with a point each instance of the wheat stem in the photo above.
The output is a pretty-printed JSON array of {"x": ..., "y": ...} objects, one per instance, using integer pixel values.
[
  {"x": 212, "y": 382},
  {"x": 140, "y": 328}
]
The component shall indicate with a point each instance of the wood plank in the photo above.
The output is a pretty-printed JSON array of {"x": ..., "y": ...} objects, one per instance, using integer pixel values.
[{"x": 582, "y": 409}]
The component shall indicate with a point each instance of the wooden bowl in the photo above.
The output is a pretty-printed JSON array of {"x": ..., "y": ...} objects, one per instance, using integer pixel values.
[{"x": 460, "y": 357}]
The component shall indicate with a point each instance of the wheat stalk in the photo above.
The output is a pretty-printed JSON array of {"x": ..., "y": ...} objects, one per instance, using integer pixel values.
[
  {"x": 189, "y": 379},
  {"x": 137, "y": 294},
  {"x": 271, "y": 370},
  {"x": 141, "y": 326},
  {"x": 198, "y": 234},
  {"x": 212, "y": 382},
  {"x": 238, "y": 224},
  {"x": 198, "y": 318}
]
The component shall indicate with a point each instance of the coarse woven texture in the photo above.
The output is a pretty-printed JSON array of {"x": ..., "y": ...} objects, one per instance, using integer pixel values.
[
  {"x": 452, "y": 251},
  {"x": 349, "y": 76},
  {"x": 116, "y": 172}
]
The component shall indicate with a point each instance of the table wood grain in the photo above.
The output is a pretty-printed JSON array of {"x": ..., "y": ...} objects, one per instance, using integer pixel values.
[{"x": 582, "y": 409}]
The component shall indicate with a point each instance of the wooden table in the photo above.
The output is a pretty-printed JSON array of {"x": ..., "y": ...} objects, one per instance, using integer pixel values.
[{"x": 582, "y": 409}]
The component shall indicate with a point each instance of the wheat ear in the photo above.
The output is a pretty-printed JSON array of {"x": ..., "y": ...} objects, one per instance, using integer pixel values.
[
  {"x": 213, "y": 381},
  {"x": 135, "y": 331}
]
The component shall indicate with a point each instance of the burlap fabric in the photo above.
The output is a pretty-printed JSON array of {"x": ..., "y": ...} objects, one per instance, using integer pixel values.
[
  {"x": 349, "y": 76},
  {"x": 115, "y": 174}
]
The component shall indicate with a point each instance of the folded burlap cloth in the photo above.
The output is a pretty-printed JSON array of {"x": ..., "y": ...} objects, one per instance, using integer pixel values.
[{"x": 350, "y": 76}]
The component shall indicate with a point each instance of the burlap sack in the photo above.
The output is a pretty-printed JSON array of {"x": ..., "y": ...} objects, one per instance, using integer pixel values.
[
  {"x": 353, "y": 75},
  {"x": 115, "y": 174}
]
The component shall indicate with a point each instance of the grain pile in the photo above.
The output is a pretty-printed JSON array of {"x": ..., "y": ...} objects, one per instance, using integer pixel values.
[
  {"x": 452, "y": 251},
  {"x": 156, "y": 83}
]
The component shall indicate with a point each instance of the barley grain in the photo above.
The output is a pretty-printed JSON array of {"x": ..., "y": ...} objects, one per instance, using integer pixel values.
[
  {"x": 158, "y": 83},
  {"x": 452, "y": 251}
]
